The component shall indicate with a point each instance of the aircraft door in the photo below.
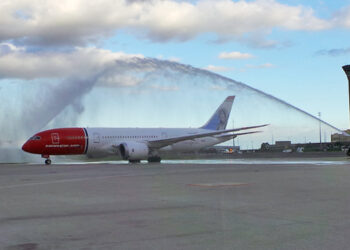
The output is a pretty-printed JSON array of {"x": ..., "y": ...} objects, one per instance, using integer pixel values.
[
  {"x": 94, "y": 144},
  {"x": 96, "y": 138}
]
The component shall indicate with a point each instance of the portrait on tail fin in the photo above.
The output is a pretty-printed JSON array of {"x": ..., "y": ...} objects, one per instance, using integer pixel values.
[{"x": 219, "y": 119}]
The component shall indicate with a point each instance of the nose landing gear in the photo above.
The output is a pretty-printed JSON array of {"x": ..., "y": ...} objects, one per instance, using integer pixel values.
[{"x": 48, "y": 160}]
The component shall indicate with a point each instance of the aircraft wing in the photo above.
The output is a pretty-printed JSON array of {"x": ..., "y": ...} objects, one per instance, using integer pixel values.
[
  {"x": 234, "y": 135},
  {"x": 168, "y": 141}
]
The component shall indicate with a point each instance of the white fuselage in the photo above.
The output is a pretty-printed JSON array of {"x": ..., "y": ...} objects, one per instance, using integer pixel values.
[
  {"x": 135, "y": 144},
  {"x": 101, "y": 140}
]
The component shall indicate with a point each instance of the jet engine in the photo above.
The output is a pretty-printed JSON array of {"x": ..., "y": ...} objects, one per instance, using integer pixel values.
[{"x": 134, "y": 151}]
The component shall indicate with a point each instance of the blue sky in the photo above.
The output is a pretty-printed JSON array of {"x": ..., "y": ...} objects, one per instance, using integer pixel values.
[
  {"x": 292, "y": 49},
  {"x": 300, "y": 70}
]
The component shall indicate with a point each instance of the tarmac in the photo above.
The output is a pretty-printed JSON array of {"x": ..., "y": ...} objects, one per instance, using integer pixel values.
[{"x": 269, "y": 205}]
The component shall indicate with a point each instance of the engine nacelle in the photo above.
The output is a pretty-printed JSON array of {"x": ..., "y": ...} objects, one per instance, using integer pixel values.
[{"x": 134, "y": 150}]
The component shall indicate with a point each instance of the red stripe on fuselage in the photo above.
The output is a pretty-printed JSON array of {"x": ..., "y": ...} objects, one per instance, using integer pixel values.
[{"x": 61, "y": 141}]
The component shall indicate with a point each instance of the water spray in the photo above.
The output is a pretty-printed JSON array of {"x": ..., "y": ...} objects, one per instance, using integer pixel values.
[{"x": 139, "y": 75}]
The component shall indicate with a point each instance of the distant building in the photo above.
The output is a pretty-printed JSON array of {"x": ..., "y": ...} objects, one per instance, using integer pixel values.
[
  {"x": 227, "y": 149},
  {"x": 284, "y": 144},
  {"x": 279, "y": 146},
  {"x": 221, "y": 149},
  {"x": 340, "y": 137}
]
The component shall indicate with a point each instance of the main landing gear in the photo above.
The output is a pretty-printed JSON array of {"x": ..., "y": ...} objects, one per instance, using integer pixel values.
[
  {"x": 134, "y": 161},
  {"x": 48, "y": 160},
  {"x": 151, "y": 159},
  {"x": 154, "y": 159}
]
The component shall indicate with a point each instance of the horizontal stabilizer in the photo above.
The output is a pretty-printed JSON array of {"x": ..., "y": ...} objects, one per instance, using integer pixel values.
[{"x": 165, "y": 142}]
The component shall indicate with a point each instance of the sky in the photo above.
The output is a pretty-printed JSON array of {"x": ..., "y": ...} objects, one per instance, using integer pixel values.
[{"x": 115, "y": 63}]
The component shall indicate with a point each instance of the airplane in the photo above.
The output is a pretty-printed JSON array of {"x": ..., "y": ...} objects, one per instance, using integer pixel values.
[{"x": 135, "y": 144}]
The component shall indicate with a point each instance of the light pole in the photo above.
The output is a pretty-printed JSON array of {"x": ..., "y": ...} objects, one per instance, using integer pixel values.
[
  {"x": 233, "y": 139},
  {"x": 346, "y": 69},
  {"x": 319, "y": 116}
]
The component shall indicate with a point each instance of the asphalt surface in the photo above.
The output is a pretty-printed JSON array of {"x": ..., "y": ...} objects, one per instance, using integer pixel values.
[{"x": 175, "y": 206}]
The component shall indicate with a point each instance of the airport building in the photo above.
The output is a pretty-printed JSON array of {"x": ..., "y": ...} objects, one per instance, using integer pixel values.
[{"x": 340, "y": 137}]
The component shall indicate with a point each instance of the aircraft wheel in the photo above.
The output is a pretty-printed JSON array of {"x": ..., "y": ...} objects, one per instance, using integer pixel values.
[
  {"x": 47, "y": 161},
  {"x": 154, "y": 159},
  {"x": 134, "y": 161}
]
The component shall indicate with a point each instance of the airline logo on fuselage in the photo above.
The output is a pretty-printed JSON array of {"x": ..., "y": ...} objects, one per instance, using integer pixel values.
[{"x": 55, "y": 138}]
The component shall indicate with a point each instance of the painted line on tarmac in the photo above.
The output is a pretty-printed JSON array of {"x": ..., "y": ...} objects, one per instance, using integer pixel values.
[
  {"x": 97, "y": 178},
  {"x": 221, "y": 184},
  {"x": 60, "y": 181}
]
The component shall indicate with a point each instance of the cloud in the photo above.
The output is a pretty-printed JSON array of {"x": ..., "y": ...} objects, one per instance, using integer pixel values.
[
  {"x": 172, "y": 58},
  {"x": 17, "y": 63},
  {"x": 334, "y": 52},
  {"x": 6, "y": 48},
  {"x": 235, "y": 55},
  {"x": 342, "y": 18},
  {"x": 20, "y": 64},
  {"x": 244, "y": 68},
  {"x": 65, "y": 22},
  {"x": 218, "y": 68}
]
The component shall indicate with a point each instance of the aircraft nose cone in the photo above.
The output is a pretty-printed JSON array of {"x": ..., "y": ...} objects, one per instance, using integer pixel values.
[{"x": 26, "y": 147}]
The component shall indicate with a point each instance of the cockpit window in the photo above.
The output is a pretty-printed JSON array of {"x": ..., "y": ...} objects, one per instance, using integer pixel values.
[{"x": 35, "y": 138}]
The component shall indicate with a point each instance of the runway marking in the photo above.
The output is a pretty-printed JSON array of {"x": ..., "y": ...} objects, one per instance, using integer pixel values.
[
  {"x": 97, "y": 177},
  {"x": 182, "y": 171},
  {"x": 60, "y": 181},
  {"x": 220, "y": 184}
]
